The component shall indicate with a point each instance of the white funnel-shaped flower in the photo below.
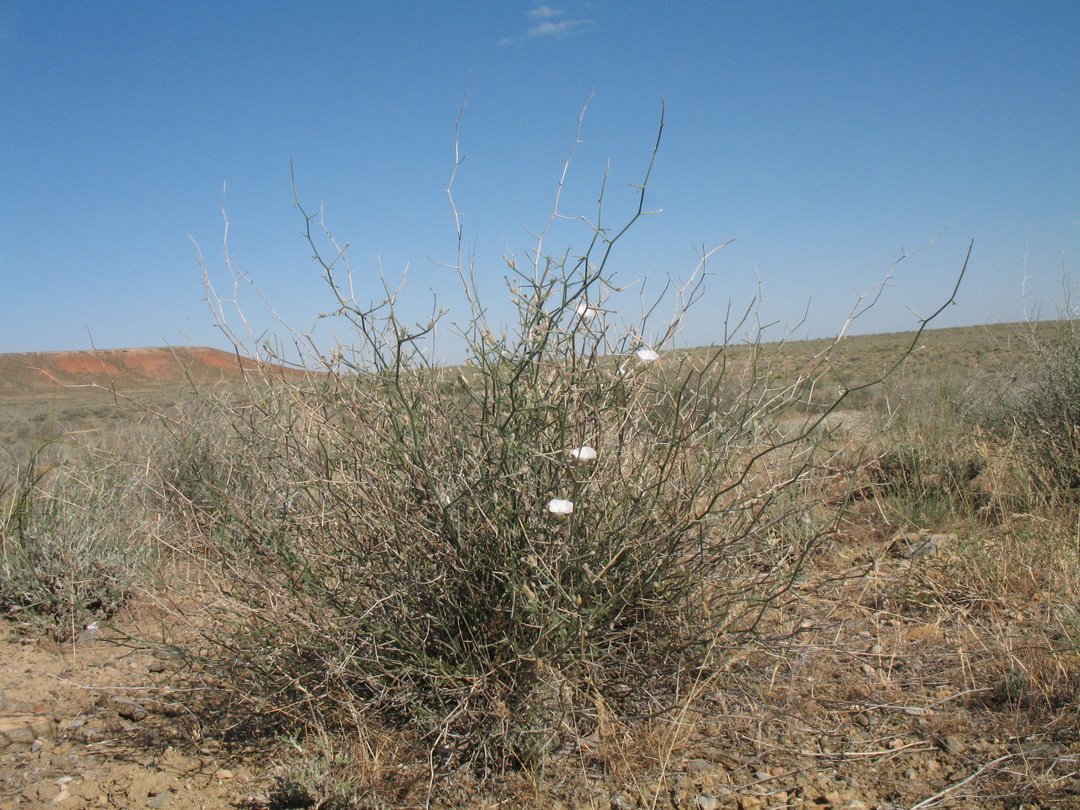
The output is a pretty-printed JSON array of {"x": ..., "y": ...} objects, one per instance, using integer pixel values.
[{"x": 559, "y": 506}]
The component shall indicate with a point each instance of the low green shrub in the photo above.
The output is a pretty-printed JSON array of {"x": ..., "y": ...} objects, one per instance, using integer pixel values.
[
  {"x": 492, "y": 556},
  {"x": 74, "y": 539},
  {"x": 1041, "y": 409}
]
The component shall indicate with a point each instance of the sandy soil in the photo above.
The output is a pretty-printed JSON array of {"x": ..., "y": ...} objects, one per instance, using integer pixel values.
[{"x": 97, "y": 724}]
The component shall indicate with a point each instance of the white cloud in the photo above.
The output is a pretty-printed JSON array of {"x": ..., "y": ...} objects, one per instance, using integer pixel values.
[
  {"x": 549, "y": 22},
  {"x": 543, "y": 13},
  {"x": 559, "y": 29}
]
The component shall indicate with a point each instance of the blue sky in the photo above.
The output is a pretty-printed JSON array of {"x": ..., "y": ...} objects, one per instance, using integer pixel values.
[{"x": 826, "y": 137}]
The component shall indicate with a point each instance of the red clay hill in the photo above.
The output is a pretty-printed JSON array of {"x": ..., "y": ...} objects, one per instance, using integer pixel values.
[{"x": 30, "y": 374}]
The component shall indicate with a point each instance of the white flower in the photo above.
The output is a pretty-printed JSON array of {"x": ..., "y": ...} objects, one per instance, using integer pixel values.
[
  {"x": 646, "y": 355},
  {"x": 583, "y": 455},
  {"x": 585, "y": 311},
  {"x": 558, "y": 506}
]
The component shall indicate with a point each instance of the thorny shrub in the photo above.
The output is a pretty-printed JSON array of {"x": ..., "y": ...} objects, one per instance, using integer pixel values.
[{"x": 491, "y": 554}]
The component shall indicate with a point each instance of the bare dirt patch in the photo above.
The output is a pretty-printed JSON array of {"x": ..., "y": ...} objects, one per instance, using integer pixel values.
[
  {"x": 35, "y": 374},
  {"x": 98, "y": 723}
]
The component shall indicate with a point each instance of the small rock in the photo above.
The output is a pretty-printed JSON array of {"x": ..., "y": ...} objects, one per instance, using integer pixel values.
[
  {"x": 160, "y": 800},
  {"x": 708, "y": 802},
  {"x": 922, "y": 549},
  {"x": 223, "y": 774},
  {"x": 18, "y": 732},
  {"x": 128, "y": 709},
  {"x": 910, "y": 544},
  {"x": 856, "y": 804},
  {"x": 729, "y": 759},
  {"x": 941, "y": 539},
  {"x": 925, "y": 632},
  {"x": 749, "y": 803},
  {"x": 951, "y": 745},
  {"x": 700, "y": 766},
  {"x": 1039, "y": 750},
  {"x": 65, "y": 762}
]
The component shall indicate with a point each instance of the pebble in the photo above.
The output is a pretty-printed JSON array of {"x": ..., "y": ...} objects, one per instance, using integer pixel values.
[
  {"x": 951, "y": 745},
  {"x": 729, "y": 759},
  {"x": 91, "y": 634},
  {"x": 1039, "y": 750},
  {"x": 128, "y": 709},
  {"x": 708, "y": 802},
  {"x": 18, "y": 732},
  {"x": 700, "y": 766}
]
